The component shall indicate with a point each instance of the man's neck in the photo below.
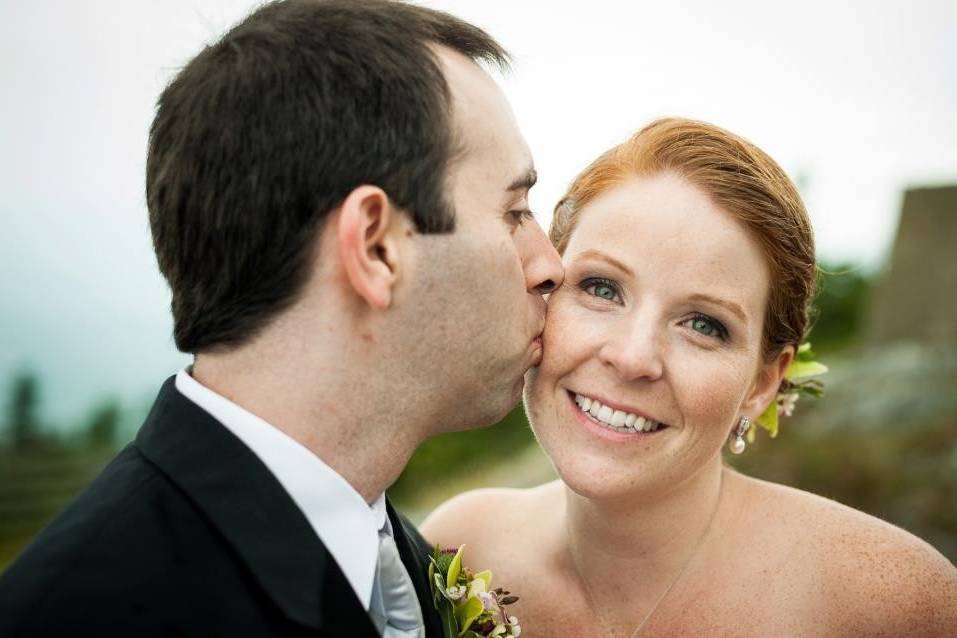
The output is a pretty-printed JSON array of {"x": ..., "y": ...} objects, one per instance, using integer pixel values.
[{"x": 342, "y": 421}]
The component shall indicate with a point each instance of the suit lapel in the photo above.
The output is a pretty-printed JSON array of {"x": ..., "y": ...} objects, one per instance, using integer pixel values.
[
  {"x": 414, "y": 551},
  {"x": 246, "y": 503}
]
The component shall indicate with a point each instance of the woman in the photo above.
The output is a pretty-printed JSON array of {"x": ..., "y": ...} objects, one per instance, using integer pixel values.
[{"x": 689, "y": 268}]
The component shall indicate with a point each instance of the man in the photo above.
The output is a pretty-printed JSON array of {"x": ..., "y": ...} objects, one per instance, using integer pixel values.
[{"x": 338, "y": 200}]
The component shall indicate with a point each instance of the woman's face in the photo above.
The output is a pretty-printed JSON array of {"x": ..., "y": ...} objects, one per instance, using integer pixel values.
[{"x": 660, "y": 321}]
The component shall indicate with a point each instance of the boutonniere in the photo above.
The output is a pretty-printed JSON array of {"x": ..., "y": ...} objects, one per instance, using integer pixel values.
[
  {"x": 797, "y": 382},
  {"x": 465, "y": 600}
]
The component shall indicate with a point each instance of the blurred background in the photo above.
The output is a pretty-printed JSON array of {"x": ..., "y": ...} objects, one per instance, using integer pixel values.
[{"x": 855, "y": 100}]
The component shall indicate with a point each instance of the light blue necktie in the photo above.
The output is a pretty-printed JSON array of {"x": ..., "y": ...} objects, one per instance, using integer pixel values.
[{"x": 394, "y": 607}]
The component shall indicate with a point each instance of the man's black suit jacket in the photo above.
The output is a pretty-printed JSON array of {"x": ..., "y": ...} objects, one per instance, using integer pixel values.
[{"x": 186, "y": 533}]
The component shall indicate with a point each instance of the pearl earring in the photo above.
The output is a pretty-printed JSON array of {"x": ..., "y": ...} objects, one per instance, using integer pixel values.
[{"x": 737, "y": 442}]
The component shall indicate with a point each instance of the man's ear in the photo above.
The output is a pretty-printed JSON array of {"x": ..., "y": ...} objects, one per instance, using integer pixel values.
[
  {"x": 767, "y": 383},
  {"x": 369, "y": 228}
]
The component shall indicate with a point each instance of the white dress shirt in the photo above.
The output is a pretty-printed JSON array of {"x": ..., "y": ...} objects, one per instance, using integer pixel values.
[{"x": 346, "y": 524}]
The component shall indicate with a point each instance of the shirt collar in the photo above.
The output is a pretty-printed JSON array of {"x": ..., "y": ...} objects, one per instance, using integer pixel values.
[{"x": 338, "y": 514}]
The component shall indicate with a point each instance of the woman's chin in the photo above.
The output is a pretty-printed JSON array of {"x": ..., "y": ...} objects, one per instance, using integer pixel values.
[{"x": 602, "y": 479}]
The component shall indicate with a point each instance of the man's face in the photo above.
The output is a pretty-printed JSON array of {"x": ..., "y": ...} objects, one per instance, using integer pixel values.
[{"x": 481, "y": 287}]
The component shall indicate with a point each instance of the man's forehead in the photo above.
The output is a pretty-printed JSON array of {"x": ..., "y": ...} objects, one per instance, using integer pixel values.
[
  {"x": 485, "y": 126},
  {"x": 458, "y": 68}
]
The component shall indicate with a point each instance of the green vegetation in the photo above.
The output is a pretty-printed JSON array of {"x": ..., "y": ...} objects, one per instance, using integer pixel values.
[
  {"x": 24, "y": 426},
  {"x": 448, "y": 456},
  {"x": 839, "y": 307},
  {"x": 40, "y": 473}
]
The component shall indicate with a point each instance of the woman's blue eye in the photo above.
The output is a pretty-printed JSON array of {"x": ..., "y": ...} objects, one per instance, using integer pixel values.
[
  {"x": 601, "y": 288},
  {"x": 703, "y": 326},
  {"x": 708, "y": 327},
  {"x": 604, "y": 291}
]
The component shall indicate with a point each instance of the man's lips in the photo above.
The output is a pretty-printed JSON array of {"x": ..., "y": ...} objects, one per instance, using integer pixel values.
[
  {"x": 537, "y": 350},
  {"x": 538, "y": 340}
]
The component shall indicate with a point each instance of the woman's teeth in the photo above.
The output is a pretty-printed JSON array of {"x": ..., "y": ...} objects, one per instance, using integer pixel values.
[{"x": 615, "y": 419}]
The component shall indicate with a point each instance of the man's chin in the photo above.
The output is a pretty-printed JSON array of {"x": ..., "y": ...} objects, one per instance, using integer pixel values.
[
  {"x": 485, "y": 410},
  {"x": 501, "y": 406}
]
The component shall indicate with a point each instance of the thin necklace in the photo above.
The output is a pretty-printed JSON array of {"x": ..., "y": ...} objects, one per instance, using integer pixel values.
[{"x": 674, "y": 581}]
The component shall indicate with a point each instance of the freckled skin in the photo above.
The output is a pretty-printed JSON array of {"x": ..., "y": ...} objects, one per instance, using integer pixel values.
[
  {"x": 591, "y": 553},
  {"x": 641, "y": 351},
  {"x": 785, "y": 563}
]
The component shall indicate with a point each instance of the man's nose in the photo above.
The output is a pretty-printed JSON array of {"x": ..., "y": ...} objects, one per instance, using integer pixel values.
[{"x": 540, "y": 261}]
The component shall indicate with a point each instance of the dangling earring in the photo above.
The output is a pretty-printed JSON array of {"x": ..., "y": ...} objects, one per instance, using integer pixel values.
[{"x": 738, "y": 443}]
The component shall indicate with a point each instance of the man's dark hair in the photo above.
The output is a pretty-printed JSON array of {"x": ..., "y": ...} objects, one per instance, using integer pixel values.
[{"x": 265, "y": 132}]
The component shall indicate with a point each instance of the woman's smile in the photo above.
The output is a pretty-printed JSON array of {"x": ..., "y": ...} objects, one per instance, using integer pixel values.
[
  {"x": 630, "y": 422},
  {"x": 654, "y": 339}
]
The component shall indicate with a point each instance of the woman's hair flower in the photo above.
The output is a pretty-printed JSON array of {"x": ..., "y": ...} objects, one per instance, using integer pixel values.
[
  {"x": 798, "y": 381},
  {"x": 786, "y": 403}
]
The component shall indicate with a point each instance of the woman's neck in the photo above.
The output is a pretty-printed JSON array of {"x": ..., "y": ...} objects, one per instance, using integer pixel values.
[{"x": 629, "y": 552}]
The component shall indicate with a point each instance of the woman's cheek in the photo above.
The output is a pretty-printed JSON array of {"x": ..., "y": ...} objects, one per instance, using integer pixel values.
[
  {"x": 711, "y": 392},
  {"x": 559, "y": 338}
]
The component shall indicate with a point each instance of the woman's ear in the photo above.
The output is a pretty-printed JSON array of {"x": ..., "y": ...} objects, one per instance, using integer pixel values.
[
  {"x": 369, "y": 231},
  {"x": 767, "y": 383}
]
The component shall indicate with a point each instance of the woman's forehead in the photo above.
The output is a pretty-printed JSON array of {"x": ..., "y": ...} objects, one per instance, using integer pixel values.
[{"x": 664, "y": 229}]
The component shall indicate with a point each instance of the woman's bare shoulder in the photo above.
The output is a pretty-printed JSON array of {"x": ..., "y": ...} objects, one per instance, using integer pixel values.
[
  {"x": 486, "y": 518},
  {"x": 874, "y": 578}
]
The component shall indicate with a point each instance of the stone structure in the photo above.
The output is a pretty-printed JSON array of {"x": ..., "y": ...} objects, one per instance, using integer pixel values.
[{"x": 916, "y": 299}]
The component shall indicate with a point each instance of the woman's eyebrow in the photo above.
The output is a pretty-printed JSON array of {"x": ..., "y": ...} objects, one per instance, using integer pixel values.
[
  {"x": 731, "y": 306},
  {"x": 597, "y": 254},
  {"x": 724, "y": 303}
]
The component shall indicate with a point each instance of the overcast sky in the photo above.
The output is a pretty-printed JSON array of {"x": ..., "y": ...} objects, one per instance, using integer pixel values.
[{"x": 856, "y": 100}]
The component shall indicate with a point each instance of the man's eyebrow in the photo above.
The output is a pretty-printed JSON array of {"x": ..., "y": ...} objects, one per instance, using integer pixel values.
[
  {"x": 525, "y": 182},
  {"x": 724, "y": 303}
]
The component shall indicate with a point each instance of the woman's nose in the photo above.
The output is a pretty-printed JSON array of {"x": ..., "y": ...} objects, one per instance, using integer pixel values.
[{"x": 634, "y": 350}]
